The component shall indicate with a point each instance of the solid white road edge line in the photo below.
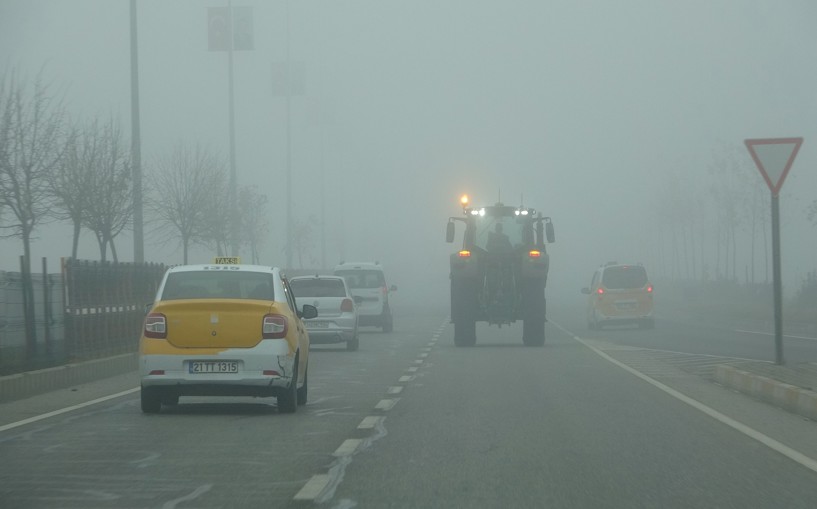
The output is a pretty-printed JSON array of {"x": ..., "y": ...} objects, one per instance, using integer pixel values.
[
  {"x": 772, "y": 334},
  {"x": 766, "y": 440},
  {"x": 40, "y": 417}
]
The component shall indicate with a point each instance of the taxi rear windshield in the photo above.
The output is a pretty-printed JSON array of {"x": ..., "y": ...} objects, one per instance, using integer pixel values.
[
  {"x": 225, "y": 284},
  {"x": 625, "y": 277},
  {"x": 318, "y": 287},
  {"x": 363, "y": 278}
]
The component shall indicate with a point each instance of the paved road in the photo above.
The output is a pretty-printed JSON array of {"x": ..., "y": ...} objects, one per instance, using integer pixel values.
[{"x": 412, "y": 421}]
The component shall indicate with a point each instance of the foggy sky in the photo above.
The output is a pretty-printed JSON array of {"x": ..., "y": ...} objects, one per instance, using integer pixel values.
[{"x": 579, "y": 108}]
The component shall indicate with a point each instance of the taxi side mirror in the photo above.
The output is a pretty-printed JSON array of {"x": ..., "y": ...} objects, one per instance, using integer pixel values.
[
  {"x": 449, "y": 232},
  {"x": 309, "y": 311},
  {"x": 586, "y": 291}
]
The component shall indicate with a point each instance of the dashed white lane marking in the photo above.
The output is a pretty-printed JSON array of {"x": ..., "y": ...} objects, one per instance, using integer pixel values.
[
  {"x": 424, "y": 354},
  {"x": 394, "y": 389},
  {"x": 412, "y": 369},
  {"x": 370, "y": 422},
  {"x": 766, "y": 440},
  {"x": 66, "y": 409},
  {"x": 418, "y": 361},
  {"x": 313, "y": 487},
  {"x": 348, "y": 447},
  {"x": 385, "y": 404},
  {"x": 405, "y": 378}
]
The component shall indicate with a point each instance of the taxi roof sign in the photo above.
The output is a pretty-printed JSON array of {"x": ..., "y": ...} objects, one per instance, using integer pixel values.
[
  {"x": 773, "y": 158},
  {"x": 227, "y": 260}
]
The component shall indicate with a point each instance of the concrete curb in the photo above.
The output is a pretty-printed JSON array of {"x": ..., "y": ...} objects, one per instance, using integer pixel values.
[
  {"x": 794, "y": 399},
  {"x": 31, "y": 383}
]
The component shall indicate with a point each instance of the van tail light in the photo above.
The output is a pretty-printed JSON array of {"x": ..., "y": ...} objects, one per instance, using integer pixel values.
[
  {"x": 649, "y": 288},
  {"x": 156, "y": 326},
  {"x": 274, "y": 327},
  {"x": 464, "y": 254},
  {"x": 347, "y": 306},
  {"x": 600, "y": 292},
  {"x": 384, "y": 289},
  {"x": 534, "y": 253}
]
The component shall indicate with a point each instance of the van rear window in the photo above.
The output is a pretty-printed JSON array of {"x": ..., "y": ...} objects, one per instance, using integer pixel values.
[
  {"x": 362, "y": 278},
  {"x": 624, "y": 277},
  {"x": 317, "y": 287}
]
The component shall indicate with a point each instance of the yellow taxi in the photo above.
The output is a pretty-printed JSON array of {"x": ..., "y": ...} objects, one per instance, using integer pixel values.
[
  {"x": 620, "y": 294},
  {"x": 224, "y": 330}
]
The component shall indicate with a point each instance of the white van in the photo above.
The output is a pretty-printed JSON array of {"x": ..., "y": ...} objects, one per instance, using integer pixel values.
[{"x": 367, "y": 281}]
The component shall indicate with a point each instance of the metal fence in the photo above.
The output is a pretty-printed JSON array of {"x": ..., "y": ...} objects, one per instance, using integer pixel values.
[
  {"x": 47, "y": 344},
  {"x": 88, "y": 310}
]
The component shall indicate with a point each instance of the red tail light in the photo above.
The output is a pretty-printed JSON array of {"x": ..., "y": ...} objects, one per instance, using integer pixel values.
[
  {"x": 533, "y": 253},
  {"x": 464, "y": 254},
  {"x": 600, "y": 291},
  {"x": 347, "y": 306},
  {"x": 649, "y": 288},
  {"x": 274, "y": 327},
  {"x": 156, "y": 326},
  {"x": 384, "y": 289}
]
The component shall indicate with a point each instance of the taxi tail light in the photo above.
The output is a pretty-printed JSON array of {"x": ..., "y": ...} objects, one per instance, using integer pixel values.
[
  {"x": 464, "y": 254},
  {"x": 534, "y": 253},
  {"x": 274, "y": 327},
  {"x": 347, "y": 306},
  {"x": 271, "y": 372},
  {"x": 156, "y": 326}
]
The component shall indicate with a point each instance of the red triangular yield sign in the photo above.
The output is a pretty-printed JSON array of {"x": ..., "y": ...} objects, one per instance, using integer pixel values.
[{"x": 774, "y": 157}]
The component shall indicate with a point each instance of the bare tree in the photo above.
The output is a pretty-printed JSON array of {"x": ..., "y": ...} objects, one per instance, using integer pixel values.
[
  {"x": 217, "y": 225},
  {"x": 71, "y": 182},
  {"x": 182, "y": 186},
  {"x": 302, "y": 238},
  {"x": 254, "y": 224},
  {"x": 30, "y": 150},
  {"x": 110, "y": 210}
]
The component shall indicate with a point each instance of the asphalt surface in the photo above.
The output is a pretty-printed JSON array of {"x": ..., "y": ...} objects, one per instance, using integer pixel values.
[{"x": 615, "y": 418}]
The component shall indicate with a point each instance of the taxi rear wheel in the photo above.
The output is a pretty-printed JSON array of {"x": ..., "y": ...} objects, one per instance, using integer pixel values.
[
  {"x": 288, "y": 399},
  {"x": 303, "y": 391},
  {"x": 151, "y": 400}
]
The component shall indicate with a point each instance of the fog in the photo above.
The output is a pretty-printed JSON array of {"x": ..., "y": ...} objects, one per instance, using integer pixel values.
[{"x": 586, "y": 111}]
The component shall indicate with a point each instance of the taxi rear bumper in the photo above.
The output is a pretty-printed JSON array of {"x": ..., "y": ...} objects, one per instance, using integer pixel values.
[{"x": 258, "y": 371}]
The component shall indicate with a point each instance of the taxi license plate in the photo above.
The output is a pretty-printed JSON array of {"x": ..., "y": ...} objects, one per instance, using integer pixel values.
[
  {"x": 317, "y": 325},
  {"x": 201, "y": 367}
]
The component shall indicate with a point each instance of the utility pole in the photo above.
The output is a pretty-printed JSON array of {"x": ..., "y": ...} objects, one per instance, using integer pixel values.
[
  {"x": 289, "y": 145},
  {"x": 136, "y": 143},
  {"x": 234, "y": 241}
]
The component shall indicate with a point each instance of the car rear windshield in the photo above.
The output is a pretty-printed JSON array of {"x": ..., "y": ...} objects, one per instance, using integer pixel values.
[
  {"x": 363, "y": 278},
  {"x": 626, "y": 276},
  {"x": 222, "y": 284},
  {"x": 318, "y": 287}
]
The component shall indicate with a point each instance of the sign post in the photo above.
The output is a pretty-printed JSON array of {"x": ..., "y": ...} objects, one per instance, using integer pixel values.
[{"x": 773, "y": 158}]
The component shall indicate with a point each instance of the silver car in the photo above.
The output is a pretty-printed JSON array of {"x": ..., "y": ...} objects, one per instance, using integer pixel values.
[{"x": 337, "y": 313}]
